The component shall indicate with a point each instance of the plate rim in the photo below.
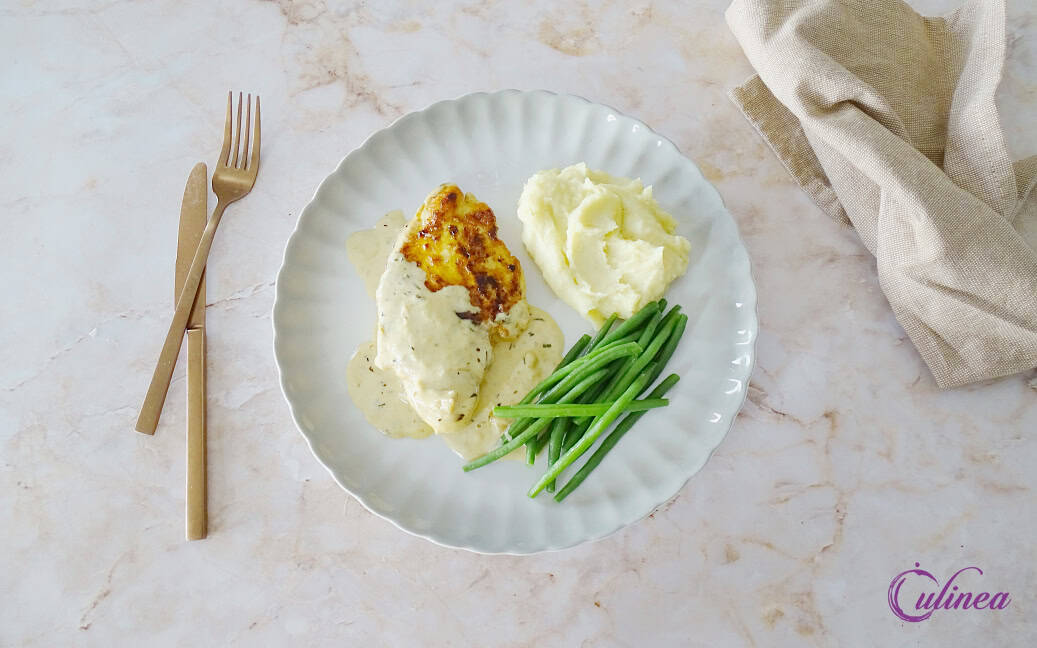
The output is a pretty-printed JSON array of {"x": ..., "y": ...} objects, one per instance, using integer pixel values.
[{"x": 749, "y": 368}]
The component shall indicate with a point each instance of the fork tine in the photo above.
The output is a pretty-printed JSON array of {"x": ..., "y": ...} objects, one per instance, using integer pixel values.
[
  {"x": 237, "y": 133},
  {"x": 253, "y": 162},
  {"x": 225, "y": 151},
  {"x": 248, "y": 127}
]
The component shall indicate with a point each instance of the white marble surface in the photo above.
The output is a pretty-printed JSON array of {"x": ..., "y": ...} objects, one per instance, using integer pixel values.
[{"x": 846, "y": 466}]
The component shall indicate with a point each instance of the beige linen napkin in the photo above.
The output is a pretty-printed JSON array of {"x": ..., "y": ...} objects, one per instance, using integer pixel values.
[{"x": 887, "y": 120}]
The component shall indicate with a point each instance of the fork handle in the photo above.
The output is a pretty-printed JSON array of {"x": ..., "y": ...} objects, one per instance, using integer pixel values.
[{"x": 156, "y": 396}]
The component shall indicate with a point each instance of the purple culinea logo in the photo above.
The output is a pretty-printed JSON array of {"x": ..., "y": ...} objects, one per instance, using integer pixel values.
[{"x": 949, "y": 597}]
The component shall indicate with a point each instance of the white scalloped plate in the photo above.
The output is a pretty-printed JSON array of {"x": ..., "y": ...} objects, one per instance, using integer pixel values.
[{"x": 489, "y": 144}]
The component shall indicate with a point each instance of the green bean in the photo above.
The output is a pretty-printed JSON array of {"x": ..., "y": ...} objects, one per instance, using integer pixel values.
[
  {"x": 575, "y": 351},
  {"x": 600, "y": 424},
  {"x": 602, "y": 332},
  {"x": 671, "y": 345},
  {"x": 560, "y": 372},
  {"x": 530, "y": 445},
  {"x": 554, "y": 450},
  {"x": 588, "y": 364},
  {"x": 580, "y": 425},
  {"x": 516, "y": 428},
  {"x": 554, "y": 410},
  {"x": 573, "y": 435},
  {"x": 565, "y": 365},
  {"x": 612, "y": 439},
  {"x": 610, "y": 384},
  {"x": 535, "y": 445},
  {"x": 666, "y": 327},
  {"x": 633, "y": 323},
  {"x": 633, "y": 366},
  {"x": 596, "y": 383},
  {"x": 598, "y": 358},
  {"x": 530, "y": 431},
  {"x": 595, "y": 345},
  {"x": 535, "y": 426},
  {"x": 649, "y": 329}
]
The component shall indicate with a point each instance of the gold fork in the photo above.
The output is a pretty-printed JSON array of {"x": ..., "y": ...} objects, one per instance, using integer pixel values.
[{"x": 232, "y": 180}]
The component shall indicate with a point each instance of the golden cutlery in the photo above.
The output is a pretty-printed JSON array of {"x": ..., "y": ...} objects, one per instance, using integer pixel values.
[
  {"x": 192, "y": 222},
  {"x": 230, "y": 182}
]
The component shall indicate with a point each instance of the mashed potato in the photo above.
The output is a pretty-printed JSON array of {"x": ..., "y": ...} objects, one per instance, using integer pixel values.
[{"x": 602, "y": 243}]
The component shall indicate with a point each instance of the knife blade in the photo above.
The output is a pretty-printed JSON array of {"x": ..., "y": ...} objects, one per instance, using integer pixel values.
[{"x": 193, "y": 216}]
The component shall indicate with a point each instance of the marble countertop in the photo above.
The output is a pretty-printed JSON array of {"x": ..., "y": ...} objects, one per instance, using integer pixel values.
[{"x": 846, "y": 466}]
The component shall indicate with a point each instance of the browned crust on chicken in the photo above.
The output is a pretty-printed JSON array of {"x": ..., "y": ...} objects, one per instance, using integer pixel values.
[{"x": 457, "y": 245}]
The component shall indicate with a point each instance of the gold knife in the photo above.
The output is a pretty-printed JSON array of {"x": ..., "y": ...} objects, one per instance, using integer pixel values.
[{"x": 193, "y": 215}]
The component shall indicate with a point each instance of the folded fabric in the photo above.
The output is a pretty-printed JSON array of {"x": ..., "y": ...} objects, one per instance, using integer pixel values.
[{"x": 887, "y": 120}]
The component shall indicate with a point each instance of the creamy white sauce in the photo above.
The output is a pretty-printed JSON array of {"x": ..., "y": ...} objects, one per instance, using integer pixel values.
[
  {"x": 439, "y": 357},
  {"x": 369, "y": 249},
  {"x": 518, "y": 365},
  {"x": 455, "y": 369},
  {"x": 380, "y": 397}
]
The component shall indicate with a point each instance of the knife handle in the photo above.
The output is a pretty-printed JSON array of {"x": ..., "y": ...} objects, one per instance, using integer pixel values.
[{"x": 197, "y": 514}]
